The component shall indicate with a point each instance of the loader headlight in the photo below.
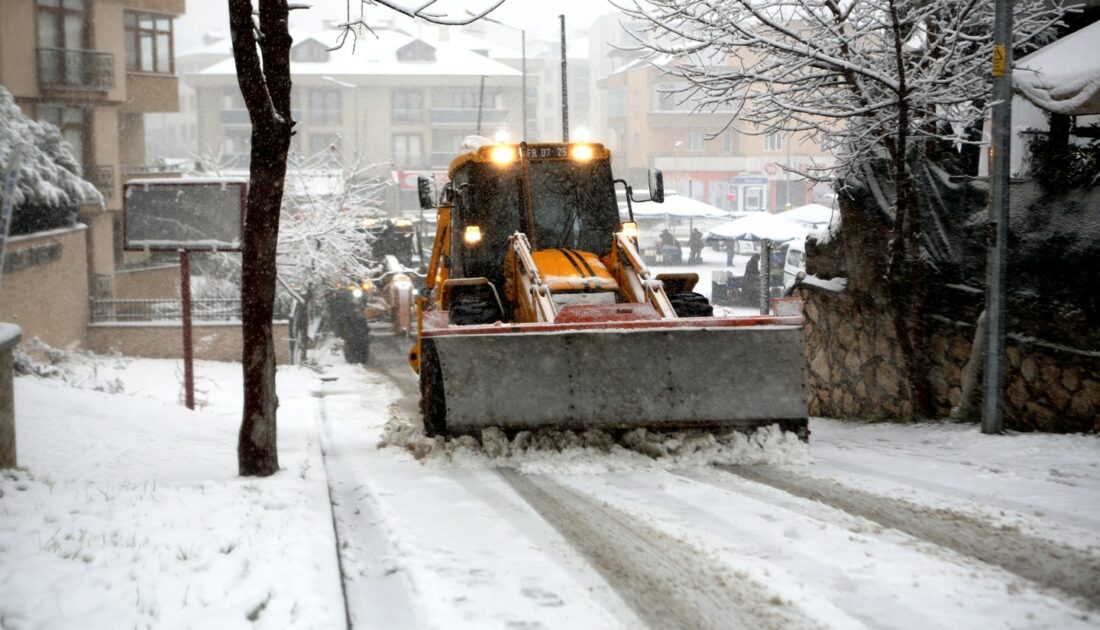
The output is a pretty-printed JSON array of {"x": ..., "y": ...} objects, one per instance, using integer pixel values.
[
  {"x": 629, "y": 229},
  {"x": 367, "y": 286},
  {"x": 503, "y": 154},
  {"x": 472, "y": 236},
  {"x": 582, "y": 152},
  {"x": 357, "y": 293}
]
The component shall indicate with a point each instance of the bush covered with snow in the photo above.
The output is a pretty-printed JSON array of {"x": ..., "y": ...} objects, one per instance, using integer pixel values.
[{"x": 49, "y": 188}]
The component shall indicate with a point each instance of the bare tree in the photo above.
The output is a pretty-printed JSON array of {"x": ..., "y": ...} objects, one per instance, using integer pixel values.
[
  {"x": 261, "y": 51},
  {"x": 869, "y": 79}
]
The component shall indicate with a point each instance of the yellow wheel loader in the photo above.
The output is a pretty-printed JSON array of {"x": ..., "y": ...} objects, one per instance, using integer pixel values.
[{"x": 538, "y": 312}]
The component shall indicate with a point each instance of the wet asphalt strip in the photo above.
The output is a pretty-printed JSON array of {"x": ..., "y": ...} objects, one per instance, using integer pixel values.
[
  {"x": 669, "y": 583},
  {"x": 1046, "y": 563}
]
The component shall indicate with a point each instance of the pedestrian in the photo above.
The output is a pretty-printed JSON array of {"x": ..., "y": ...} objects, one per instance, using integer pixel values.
[
  {"x": 750, "y": 284},
  {"x": 695, "y": 247},
  {"x": 729, "y": 253}
]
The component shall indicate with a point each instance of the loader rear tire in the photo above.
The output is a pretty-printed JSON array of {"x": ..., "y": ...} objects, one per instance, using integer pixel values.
[
  {"x": 433, "y": 401},
  {"x": 691, "y": 305}
]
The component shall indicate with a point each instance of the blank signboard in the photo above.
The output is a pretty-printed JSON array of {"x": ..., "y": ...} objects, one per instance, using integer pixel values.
[{"x": 193, "y": 214}]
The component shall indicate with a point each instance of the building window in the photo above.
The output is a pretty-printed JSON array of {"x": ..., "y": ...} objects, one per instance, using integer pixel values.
[
  {"x": 73, "y": 125},
  {"x": 324, "y": 107},
  {"x": 667, "y": 97},
  {"x": 773, "y": 142},
  {"x": 63, "y": 24},
  {"x": 149, "y": 43},
  {"x": 695, "y": 141},
  {"x": 616, "y": 102},
  {"x": 406, "y": 150},
  {"x": 728, "y": 143},
  {"x": 407, "y": 106},
  {"x": 232, "y": 99}
]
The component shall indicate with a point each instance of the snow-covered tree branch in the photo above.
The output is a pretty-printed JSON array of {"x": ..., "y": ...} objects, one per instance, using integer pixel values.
[
  {"x": 866, "y": 78},
  {"x": 871, "y": 80},
  {"x": 327, "y": 201}
]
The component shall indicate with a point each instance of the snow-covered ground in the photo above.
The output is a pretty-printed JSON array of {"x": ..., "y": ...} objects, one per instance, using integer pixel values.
[{"x": 129, "y": 514}]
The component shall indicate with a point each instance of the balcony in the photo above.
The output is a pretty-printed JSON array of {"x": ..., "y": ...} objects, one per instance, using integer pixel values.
[
  {"x": 468, "y": 116},
  {"x": 67, "y": 69},
  {"x": 102, "y": 177}
]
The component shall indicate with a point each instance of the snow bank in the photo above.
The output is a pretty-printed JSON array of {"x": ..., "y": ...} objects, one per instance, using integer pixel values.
[{"x": 595, "y": 451}]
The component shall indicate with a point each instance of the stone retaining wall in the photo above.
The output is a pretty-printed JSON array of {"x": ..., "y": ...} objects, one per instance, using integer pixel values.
[{"x": 856, "y": 371}]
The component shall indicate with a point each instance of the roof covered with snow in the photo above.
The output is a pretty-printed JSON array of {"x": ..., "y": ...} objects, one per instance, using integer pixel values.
[
  {"x": 1063, "y": 77},
  {"x": 380, "y": 54}
]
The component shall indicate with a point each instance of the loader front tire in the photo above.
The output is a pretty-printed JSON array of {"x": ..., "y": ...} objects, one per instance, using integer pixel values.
[
  {"x": 433, "y": 402},
  {"x": 691, "y": 305}
]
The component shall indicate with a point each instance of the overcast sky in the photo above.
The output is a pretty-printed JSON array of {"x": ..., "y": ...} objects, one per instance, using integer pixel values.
[{"x": 539, "y": 17}]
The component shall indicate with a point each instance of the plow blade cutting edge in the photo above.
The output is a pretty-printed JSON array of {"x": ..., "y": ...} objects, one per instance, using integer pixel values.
[{"x": 660, "y": 378}]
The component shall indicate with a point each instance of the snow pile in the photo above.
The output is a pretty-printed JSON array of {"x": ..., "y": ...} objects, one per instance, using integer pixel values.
[
  {"x": 76, "y": 368},
  {"x": 129, "y": 511},
  {"x": 596, "y": 451}
]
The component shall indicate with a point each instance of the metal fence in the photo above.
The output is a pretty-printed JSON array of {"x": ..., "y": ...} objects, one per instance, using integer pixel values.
[{"x": 202, "y": 310}]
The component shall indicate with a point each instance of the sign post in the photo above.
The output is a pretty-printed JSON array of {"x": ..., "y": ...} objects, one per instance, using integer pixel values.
[{"x": 184, "y": 215}]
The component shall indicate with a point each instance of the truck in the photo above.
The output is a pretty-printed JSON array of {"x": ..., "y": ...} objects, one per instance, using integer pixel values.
[
  {"x": 538, "y": 312},
  {"x": 382, "y": 304}
]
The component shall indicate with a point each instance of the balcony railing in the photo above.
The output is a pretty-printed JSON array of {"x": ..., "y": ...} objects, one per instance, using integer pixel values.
[
  {"x": 67, "y": 69},
  {"x": 469, "y": 116},
  {"x": 102, "y": 177},
  {"x": 159, "y": 310}
]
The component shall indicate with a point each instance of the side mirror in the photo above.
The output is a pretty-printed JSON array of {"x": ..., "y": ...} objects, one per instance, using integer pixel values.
[
  {"x": 424, "y": 190},
  {"x": 656, "y": 185}
]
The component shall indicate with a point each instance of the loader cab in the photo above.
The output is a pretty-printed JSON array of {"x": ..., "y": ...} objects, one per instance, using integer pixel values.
[{"x": 559, "y": 195}]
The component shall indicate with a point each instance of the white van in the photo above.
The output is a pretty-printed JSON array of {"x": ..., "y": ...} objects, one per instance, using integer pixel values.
[{"x": 794, "y": 262}]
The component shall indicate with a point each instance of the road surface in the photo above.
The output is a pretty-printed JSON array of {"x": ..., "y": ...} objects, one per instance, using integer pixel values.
[{"x": 886, "y": 526}]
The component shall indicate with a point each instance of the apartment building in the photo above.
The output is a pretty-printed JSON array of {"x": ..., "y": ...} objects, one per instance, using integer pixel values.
[
  {"x": 407, "y": 100},
  {"x": 93, "y": 68},
  {"x": 652, "y": 123}
]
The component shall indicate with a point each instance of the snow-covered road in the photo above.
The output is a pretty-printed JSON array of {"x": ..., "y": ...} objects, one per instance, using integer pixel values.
[
  {"x": 886, "y": 526},
  {"x": 130, "y": 514}
]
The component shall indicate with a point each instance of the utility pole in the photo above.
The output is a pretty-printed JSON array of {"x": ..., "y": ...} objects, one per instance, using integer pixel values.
[
  {"x": 564, "y": 86},
  {"x": 480, "y": 104},
  {"x": 993, "y": 401}
]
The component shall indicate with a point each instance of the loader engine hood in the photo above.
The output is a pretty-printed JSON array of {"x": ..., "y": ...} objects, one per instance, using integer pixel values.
[{"x": 570, "y": 270}]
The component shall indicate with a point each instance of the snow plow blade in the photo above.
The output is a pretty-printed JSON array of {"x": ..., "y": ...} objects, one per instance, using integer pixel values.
[{"x": 531, "y": 377}]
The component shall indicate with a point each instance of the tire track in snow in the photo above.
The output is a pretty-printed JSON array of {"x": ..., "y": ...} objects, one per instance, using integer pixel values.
[
  {"x": 669, "y": 583},
  {"x": 1043, "y": 562},
  {"x": 362, "y": 545}
]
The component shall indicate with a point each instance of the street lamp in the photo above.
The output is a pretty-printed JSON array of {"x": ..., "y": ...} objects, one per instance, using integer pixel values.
[
  {"x": 523, "y": 53},
  {"x": 355, "y": 95}
]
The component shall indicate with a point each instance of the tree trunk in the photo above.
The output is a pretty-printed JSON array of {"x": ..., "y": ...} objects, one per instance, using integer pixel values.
[
  {"x": 969, "y": 409},
  {"x": 265, "y": 87}
]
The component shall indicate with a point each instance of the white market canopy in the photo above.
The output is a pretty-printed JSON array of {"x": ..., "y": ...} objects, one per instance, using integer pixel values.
[
  {"x": 678, "y": 206},
  {"x": 810, "y": 214},
  {"x": 758, "y": 227},
  {"x": 1064, "y": 76}
]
